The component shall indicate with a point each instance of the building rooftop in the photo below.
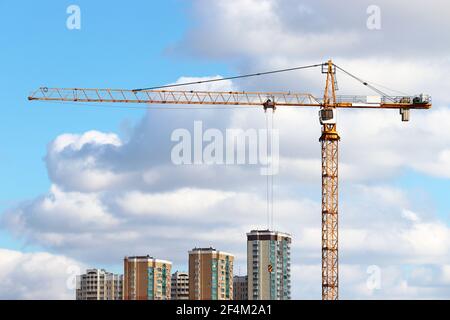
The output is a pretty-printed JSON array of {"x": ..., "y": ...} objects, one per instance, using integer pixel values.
[
  {"x": 209, "y": 250},
  {"x": 204, "y": 249},
  {"x": 271, "y": 232},
  {"x": 146, "y": 258}
]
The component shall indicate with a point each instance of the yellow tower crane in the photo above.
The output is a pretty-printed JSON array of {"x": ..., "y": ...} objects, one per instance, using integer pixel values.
[{"x": 270, "y": 100}]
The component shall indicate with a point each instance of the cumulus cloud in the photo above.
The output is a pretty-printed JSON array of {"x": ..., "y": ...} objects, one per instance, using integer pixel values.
[
  {"x": 368, "y": 281},
  {"x": 262, "y": 35},
  {"x": 378, "y": 224},
  {"x": 189, "y": 202},
  {"x": 111, "y": 197},
  {"x": 74, "y": 159},
  {"x": 288, "y": 28},
  {"x": 38, "y": 275},
  {"x": 162, "y": 209}
]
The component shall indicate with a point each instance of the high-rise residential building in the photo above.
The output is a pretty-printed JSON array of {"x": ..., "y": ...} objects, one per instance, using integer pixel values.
[
  {"x": 180, "y": 286},
  {"x": 146, "y": 278},
  {"x": 269, "y": 265},
  {"x": 240, "y": 288},
  {"x": 210, "y": 274},
  {"x": 97, "y": 284}
]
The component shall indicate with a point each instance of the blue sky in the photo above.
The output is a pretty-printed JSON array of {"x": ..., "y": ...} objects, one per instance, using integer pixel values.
[
  {"x": 118, "y": 46},
  {"x": 145, "y": 43}
]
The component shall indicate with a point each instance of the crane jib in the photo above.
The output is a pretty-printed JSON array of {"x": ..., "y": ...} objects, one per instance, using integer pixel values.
[{"x": 329, "y": 138}]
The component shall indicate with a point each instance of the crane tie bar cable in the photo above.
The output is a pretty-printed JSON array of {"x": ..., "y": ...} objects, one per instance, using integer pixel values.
[
  {"x": 365, "y": 83},
  {"x": 230, "y": 78}
]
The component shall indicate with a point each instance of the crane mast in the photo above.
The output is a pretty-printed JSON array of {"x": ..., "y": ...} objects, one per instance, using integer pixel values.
[
  {"x": 329, "y": 145},
  {"x": 329, "y": 138}
]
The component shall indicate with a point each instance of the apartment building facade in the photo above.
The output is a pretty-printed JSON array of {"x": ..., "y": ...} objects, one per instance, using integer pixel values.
[
  {"x": 210, "y": 274},
  {"x": 180, "y": 286},
  {"x": 269, "y": 265},
  {"x": 146, "y": 278},
  {"x": 98, "y": 284}
]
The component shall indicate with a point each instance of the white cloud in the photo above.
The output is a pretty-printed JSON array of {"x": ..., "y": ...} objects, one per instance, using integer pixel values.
[
  {"x": 412, "y": 216},
  {"x": 253, "y": 28},
  {"x": 76, "y": 142},
  {"x": 395, "y": 282},
  {"x": 61, "y": 211},
  {"x": 74, "y": 159},
  {"x": 126, "y": 197},
  {"x": 376, "y": 229},
  {"x": 38, "y": 275},
  {"x": 181, "y": 203},
  {"x": 428, "y": 239},
  {"x": 165, "y": 210}
]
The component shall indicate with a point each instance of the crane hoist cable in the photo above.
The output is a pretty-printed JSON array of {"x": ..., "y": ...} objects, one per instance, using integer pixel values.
[
  {"x": 267, "y": 173},
  {"x": 270, "y": 164}
]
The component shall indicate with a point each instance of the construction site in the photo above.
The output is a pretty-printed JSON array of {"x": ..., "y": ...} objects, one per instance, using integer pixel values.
[
  {"x": 236, "y": 157},
  {"x": 269, "y": 102}
]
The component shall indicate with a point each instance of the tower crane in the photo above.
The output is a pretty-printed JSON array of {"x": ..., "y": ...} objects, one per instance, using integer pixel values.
[{"x": 329, "y": 139}]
